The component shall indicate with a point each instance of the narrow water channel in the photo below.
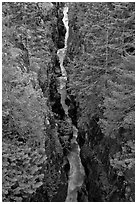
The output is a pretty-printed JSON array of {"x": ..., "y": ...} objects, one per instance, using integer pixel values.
[{"x": 76, "y": 173}]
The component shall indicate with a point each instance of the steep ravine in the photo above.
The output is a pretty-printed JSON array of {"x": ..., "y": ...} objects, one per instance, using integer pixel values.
[
  {"x": 83, "y": 170},
  {"x": 75, "y": 168},
  {"x": 76, "y": 173},
  {"x": 78, "y": 167}
]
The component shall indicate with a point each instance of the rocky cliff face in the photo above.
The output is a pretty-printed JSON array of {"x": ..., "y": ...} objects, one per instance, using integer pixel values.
[
  {"x": 78, "y": 156},
  {"x": 69, "y": 140},
  {"x": 74, "y": 145},
  {"x": 60, "y": 55}
]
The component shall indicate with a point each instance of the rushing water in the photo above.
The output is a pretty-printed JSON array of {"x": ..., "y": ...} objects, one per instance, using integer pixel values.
[{"x": 76, "y": 174}]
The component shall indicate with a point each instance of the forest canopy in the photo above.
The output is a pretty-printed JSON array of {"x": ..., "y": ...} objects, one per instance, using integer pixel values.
[{"x": 100, "y": 65}]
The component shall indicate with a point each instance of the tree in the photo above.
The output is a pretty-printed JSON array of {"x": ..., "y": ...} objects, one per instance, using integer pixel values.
[
  {"x": 26, "y": 126},
  {"x": 101, "y": 75}
]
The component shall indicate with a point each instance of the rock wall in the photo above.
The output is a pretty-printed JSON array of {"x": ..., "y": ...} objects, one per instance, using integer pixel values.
[
  {"x": 79, "y": 156},
  {"x": 76, "y": 173}
]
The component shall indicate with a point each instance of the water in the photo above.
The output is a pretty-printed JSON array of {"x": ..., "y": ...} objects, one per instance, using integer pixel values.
[{"x": 76, "y": 173}]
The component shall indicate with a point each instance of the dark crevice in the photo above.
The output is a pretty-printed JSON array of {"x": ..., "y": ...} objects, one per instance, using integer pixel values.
[
  {"x": 58, "y": 32},
  {"x": 64, "y": 132},
  {"x": 96, "y": 163},
  {"x": 88, "y": 138},
  {"x": 56, "y": 163},
  {"x": 73, "y": 109},
  {"x": 89, "y": 190},
  {"x": 54, "y": 98}
]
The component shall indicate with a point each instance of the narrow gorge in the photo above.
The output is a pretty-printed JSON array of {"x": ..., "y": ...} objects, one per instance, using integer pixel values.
[
  {"x": 81, "y": 169},
  {"x": 76, "y": 173},
  {"x": 68, "y": 102}
]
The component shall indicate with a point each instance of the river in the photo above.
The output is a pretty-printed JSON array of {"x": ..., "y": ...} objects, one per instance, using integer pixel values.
[{"x": 76, "y": 173}]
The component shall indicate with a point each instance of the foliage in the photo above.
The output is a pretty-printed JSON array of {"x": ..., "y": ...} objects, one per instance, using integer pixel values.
[
  {"x": 29, "y": 127},
  {"x": 119, "y": 118},
  {"x": 101, "y": 67},
  {"x": 119, "y": 100},
  {"x": 21, "y": 171},
  {"x": 24, "y": 107},
  {"x": 98, "y": 49},
  {"x": 24, "y": 110}
]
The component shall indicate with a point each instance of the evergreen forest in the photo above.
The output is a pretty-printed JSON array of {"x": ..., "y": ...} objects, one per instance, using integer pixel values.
[{"x": 68, "y": 101}]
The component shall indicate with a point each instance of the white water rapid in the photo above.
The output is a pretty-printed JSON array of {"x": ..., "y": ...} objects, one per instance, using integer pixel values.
[{"x": 76, "y": 174}]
